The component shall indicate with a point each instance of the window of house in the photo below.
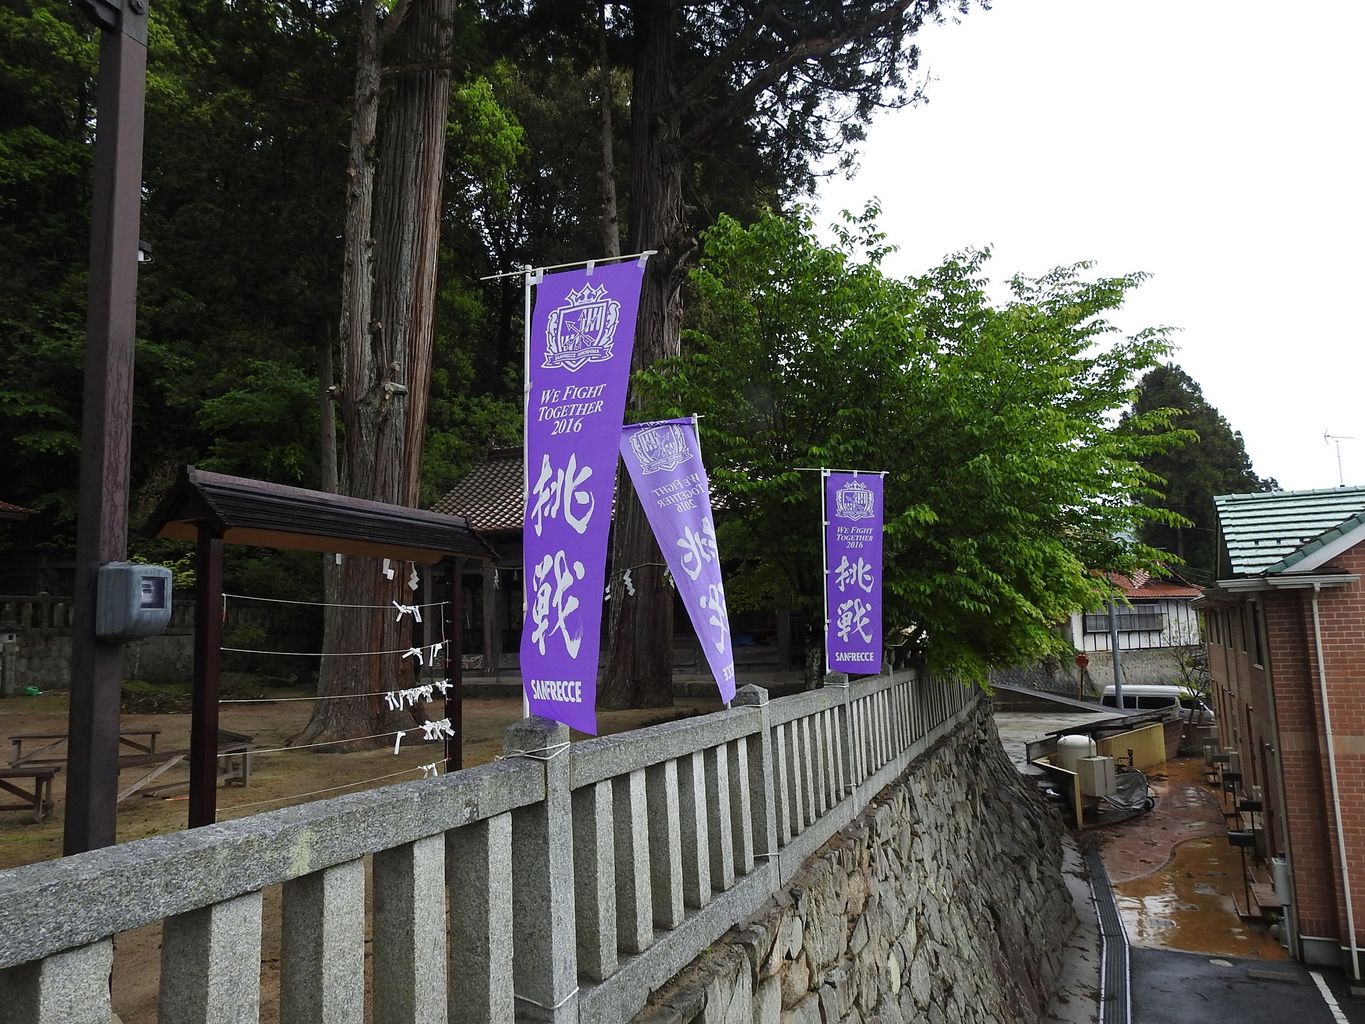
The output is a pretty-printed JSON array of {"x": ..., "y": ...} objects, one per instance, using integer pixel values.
[
  {"x": 1142, "y": 616},
  {"x": 1242, "y": 629},
  {"x": 1257, "y": 628}
]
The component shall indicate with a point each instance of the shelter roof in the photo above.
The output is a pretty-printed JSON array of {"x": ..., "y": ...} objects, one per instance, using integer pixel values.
[
  {"x": 244, "y": 511},
  {"x": 489, "y": 496},
  {"x": 1276, "y": 531}
]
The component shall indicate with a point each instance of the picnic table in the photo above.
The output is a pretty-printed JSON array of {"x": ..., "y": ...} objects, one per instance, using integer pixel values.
[
  {"x": 40, "y": 800},
  {"x": 141, "y": 740},
  {"x": 41, "y": 763}
]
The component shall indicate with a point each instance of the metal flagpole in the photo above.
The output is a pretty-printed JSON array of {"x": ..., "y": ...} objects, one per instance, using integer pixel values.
[
  {"x": 824, "y": 561},
  {"x": 530, "y": 276}
]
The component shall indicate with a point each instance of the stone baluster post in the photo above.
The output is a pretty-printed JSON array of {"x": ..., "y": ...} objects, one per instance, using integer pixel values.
[
  {"x": 545, "y": 971},
  {"x": 763, "y": 795}
]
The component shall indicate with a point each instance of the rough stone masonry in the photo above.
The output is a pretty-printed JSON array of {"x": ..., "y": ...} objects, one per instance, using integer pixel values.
[{"x": 943, "y": 903}]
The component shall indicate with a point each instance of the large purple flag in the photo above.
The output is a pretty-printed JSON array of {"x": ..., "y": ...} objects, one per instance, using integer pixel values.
[
  {"x": 853, "y": 572},
  {"x": 582, "y": 333},
  {"x": 664, "y": 462}
]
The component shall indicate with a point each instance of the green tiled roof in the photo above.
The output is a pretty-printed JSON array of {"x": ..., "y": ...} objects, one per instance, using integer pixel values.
[{"x": 1272, "y": 531}]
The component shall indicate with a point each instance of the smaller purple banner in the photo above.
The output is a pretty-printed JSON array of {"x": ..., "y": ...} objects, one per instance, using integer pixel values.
[
  {"x": 664, "y": 462},
  {"x": 582, "y": 332},
  {"x": 853, "y": 572}
]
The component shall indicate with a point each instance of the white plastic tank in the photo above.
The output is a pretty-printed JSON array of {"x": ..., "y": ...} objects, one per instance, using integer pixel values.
[
  {"x": 1070, "y": 750},
  {"x": 1279, "y": 874}
]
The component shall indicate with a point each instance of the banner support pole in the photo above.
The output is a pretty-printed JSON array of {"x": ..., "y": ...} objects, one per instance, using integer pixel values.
[
  {"x": 527, "y": 275},
  {"x": 824, "y": 561}
]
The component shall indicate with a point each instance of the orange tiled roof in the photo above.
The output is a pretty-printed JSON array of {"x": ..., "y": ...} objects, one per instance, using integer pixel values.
[{"x": 1151, "y": 588}]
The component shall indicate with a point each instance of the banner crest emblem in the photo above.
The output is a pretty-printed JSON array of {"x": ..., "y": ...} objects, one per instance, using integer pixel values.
[
  {"x": 581, "y": 331},
  {"x": 660, "y": 449},
  {"x": 854, "y": 501}
]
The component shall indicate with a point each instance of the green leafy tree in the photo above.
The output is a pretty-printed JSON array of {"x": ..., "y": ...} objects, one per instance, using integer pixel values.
[
  {"x": 1214, "y": 462},
  {"x": 796, "y": 82},
  {"x": 1009, "y": 478}
]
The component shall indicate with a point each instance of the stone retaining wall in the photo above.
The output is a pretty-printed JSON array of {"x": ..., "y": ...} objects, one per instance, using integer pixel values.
[{"x": 943, "y": 902}]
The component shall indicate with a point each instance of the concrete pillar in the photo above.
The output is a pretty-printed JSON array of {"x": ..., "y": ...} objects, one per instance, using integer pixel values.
[
  {"x": 479, "y": 886},
  {"x": 594, "y": 859},
  {"x": 634, "y": 902},
  {"x": 809, "y": 759},
  {"x": 322, "y": 947},
  {"x": 781, "y": 786},
  {"x": 71, "y": 987},
  {"x": 718, "y": 818},
  {"x": 760, "y": 775},
  {"x": 742, "y": 822},
  {"x": 665, "y": 843},
  {"x": 546, "y": 966},
  {"x": 790, "y": 734},
  {"x": 816, "y": 750},
  {"x": 410, "y": 933},
  {"x": 695, "y": 830},
  {"x": 834, "y": 786},
  {"x": 211, "y": 964}
]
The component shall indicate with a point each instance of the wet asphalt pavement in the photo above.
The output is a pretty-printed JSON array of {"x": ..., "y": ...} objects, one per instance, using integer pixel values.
[{"x": 1181, "y": 988}]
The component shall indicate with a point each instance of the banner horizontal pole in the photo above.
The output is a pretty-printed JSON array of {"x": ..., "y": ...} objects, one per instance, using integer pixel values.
[
  {"x": 565, "y": 266},
  {"x": 824, "y": 469}
]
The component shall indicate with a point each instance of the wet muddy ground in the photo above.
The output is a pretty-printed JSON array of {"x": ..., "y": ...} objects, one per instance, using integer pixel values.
[{"x": 1175, "y": 875}]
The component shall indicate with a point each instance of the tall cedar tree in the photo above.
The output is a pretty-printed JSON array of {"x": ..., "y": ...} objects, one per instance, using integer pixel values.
[
  {"x": 1216, "y": 463},
  {"x": 805, "y": 76},
  {"x": 391, "y": 253}
]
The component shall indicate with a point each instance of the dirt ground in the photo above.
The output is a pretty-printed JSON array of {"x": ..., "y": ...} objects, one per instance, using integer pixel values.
[{"x": 278, "y": 779}]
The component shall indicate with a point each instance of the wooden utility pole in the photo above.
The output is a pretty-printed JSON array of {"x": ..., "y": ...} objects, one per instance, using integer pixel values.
[{"x": 106, "y": 425}]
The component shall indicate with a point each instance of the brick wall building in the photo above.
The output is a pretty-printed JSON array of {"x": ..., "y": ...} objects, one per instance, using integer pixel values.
[{"x": 1290, "y": 586}]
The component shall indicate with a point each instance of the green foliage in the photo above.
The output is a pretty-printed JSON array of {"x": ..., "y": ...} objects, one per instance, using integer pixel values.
[
  {"x": 1214, "y": 462},
  {"x": 266, "y": 417},
  {"x": 1010, "y": 479}
]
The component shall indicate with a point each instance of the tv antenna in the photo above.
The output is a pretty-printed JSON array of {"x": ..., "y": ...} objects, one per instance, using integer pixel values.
[{"x": 1337, "y": 438}]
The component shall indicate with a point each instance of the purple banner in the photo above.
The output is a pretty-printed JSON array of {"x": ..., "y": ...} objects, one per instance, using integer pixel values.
[
  {"x": 664, "y": 462},
  {"x": 581, "y": 334},
  {"x": 853, "y": 572}
]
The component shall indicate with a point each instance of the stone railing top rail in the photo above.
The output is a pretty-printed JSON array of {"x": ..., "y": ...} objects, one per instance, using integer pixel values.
[
  {"x": 608, "y": 756},
  {"x": 799, "y": 705},
  {"x": 57, "y": 905}
]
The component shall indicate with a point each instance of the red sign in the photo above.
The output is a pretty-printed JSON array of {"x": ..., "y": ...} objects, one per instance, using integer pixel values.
[{"x": 1082, "y": 661}]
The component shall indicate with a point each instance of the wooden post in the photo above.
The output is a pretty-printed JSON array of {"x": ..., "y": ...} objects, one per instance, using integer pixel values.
[
  {"x": 454, "y": 708},
  {"x": 208, "y": 657},
  {"x": 106, "y": 427},
  {"x": 492, "y": 636}
]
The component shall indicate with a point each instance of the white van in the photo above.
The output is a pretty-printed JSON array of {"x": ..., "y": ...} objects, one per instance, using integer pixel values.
[{"x": 1176, "y": 701}]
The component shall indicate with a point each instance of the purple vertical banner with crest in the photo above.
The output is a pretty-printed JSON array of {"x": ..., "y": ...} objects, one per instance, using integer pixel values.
[
  {"x": 853, "y": 572},
  {"x": 664, "y": 462},
  {"x": 582, "y": 333}
]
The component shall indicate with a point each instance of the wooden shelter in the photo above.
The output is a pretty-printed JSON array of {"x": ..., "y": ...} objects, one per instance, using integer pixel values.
[{"x": 215, "y": 509}]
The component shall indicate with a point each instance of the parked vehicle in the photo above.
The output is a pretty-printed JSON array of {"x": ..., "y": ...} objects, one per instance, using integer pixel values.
[{"x": 1176, "y": 701}]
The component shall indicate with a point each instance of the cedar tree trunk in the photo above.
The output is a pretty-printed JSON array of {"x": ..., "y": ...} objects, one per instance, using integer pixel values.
[{"x": 387, "y": 328}]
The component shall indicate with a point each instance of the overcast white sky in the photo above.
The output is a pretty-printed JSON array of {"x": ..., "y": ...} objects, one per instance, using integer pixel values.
[{"x": 1215, "y": 144}]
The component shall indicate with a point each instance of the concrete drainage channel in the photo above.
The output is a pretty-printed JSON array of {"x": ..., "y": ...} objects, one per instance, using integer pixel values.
[{"x": 1116, "y": 999}]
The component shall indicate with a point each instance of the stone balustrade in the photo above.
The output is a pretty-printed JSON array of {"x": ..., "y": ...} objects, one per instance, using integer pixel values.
[{"x": 558, "y": 884}]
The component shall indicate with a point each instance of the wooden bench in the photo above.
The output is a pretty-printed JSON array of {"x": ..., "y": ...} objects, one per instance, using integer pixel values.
[
  {"x": 40, "y": 800},
  {"x": 48, "y": 754},
  {"x": 235, "y": 770}
]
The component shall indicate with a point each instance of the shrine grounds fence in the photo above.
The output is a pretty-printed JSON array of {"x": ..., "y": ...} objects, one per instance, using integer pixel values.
[{"x": 559, "y": 883}]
